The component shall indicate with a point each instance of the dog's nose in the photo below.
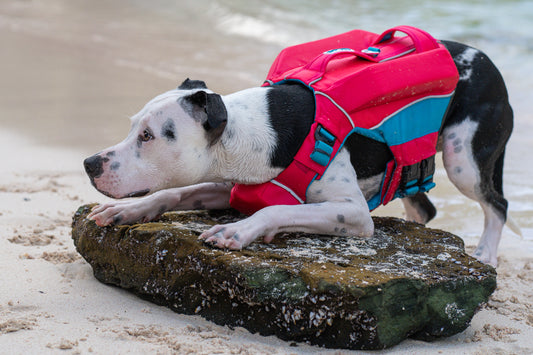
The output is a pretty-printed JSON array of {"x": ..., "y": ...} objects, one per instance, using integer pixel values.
[{"x": 93, "y": 166}]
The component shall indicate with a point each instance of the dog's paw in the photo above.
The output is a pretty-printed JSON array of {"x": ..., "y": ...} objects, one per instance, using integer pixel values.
[
  {"x": 224, "y": 237},
  {"x": 123, "y": 212},
  {"x": 236, "y": 236},
  {"x": 484, "y": 255}
]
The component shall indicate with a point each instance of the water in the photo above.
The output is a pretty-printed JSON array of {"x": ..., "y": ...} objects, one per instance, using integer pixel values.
[{"x": 231, "y": 44}]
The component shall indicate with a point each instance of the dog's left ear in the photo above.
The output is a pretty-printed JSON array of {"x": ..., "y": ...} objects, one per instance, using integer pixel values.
[
  {"x": 189, "y": 84},
  {"x": 214, "y": 108}
]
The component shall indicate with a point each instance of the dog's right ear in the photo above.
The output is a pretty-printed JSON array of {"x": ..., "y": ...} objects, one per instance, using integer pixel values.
[
  {"x": 189, "y": 84},
  {"x": 215, "y": 116}
]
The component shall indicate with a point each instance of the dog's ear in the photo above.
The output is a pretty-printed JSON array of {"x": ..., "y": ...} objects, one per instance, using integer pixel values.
[
  {"x": 215, "y": 111},
  {"x": 189, "y": 84}
]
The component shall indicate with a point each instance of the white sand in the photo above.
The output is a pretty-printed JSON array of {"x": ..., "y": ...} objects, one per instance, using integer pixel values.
[{"x": 49, "y": 300}]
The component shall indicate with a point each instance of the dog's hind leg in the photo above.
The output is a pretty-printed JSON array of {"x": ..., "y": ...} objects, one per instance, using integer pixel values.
[
  {"x": 475, "y": 167},
  {"x": 418, "y": 208}
]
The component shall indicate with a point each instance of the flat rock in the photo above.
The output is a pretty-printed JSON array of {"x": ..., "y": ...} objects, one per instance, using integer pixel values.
[{"x": 338, "y": 292}]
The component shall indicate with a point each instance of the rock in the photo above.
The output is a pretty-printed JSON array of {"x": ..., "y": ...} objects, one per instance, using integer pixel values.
[{"x": 338, "y": 292}]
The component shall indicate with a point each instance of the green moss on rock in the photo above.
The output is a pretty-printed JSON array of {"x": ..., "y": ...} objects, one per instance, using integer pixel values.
[{"x": 340, "y": 292}]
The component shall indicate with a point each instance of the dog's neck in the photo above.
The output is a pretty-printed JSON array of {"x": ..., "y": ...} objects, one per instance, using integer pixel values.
[{"x": 243, "y": 153}]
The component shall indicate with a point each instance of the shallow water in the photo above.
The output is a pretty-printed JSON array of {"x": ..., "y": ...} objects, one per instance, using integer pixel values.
[{"x": 83, "y": 67}]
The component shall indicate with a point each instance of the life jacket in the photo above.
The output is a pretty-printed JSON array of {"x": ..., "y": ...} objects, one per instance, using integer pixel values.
[{"x": 393, "y": 89}]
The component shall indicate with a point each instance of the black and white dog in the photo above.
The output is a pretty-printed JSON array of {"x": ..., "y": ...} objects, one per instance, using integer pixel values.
[{"x": 187, "y": 146}]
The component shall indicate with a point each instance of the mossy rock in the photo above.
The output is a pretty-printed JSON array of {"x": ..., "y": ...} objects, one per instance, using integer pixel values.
[{"x": 338, "y": 292}]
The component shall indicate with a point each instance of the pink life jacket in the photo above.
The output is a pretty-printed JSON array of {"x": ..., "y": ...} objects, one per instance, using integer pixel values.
[{"x": 395, "y": 90}]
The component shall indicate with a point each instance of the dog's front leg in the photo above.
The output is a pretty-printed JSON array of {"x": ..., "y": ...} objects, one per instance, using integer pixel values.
[
  {"x": 333, "y": 218},
  {"x": 201, "y": 196},
  {"x": 336, "y": 207}
]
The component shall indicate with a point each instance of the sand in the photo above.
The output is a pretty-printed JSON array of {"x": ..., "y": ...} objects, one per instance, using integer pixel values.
[
  {"x": 51, "y": 303},
  {"x": 49, "y": 300}
]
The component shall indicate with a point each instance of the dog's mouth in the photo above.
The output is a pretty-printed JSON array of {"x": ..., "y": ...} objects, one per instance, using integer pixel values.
[{"x": 138, "y": 193}]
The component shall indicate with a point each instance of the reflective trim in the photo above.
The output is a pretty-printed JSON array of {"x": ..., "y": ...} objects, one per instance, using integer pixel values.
[
  {"x": 397, "y": 56},
  {"x": 337, "y": 105},
  {"x": 277, "y": 183}
]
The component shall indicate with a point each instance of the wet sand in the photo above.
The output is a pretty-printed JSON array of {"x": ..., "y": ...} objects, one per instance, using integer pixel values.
[{"x": 61, "y": 101}]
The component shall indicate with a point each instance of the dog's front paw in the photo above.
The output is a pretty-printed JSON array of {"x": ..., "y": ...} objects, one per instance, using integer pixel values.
[
  {"x": 235, "y": 236},
  {"x": 123, "y": 212},
  {"x": 221, "y": 237}
]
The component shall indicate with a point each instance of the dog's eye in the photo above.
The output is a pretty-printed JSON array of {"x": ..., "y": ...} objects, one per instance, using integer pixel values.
[{"x": 147, "y": 135}]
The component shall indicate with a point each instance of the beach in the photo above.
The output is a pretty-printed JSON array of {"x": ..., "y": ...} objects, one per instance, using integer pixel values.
[{"x": 74, "y": 71}]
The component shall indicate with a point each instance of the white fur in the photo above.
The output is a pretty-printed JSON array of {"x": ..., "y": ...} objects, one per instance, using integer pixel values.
[
  {"x": 458, "y": 157},
  {"x": 466, "y": 58},
  {"x": 243, "y": 153},
  {"x": 461, "y": 168}
]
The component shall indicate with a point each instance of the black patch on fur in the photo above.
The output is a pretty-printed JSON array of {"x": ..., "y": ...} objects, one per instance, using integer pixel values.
[
  {"x": 198, "y": 205},
  {"x": 111, "y": 153},
  {"x": 169, "y": 130},
  {"x": 162, "y": 209},
  {"x": 340, "y": 218},
  {"x": 423, "y": 205},
  {"x": 117, "y": 219},
  {"x": 114, "y": 166},
  {"x": 209, "y": 109},
  {"x": 189, "y": 84},
  {"x": 368, "y": 156},
  {"x": 292, "y": 111}
]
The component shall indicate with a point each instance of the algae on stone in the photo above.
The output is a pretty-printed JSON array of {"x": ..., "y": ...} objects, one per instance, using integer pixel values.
[{"x": 340, "y": 292}]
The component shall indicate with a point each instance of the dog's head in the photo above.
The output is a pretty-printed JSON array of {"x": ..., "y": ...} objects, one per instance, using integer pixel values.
[{"x": 167, "y": 146}]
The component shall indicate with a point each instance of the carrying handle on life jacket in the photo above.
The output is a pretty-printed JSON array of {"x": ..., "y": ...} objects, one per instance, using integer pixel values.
[
  {"x": 422, "y": 42},
  {"x": 319, "y": 64}
]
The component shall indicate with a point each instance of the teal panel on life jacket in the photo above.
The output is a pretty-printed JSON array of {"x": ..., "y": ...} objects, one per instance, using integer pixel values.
[{"x": 413, "y": 121}]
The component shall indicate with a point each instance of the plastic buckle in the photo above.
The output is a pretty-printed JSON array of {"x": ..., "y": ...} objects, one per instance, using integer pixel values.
[
  {"x": 373, "y": 51},
  {"x": 323, "y": 146},
  {"x": 427, "y": 184},
  {"x": 411, "y": 188}
]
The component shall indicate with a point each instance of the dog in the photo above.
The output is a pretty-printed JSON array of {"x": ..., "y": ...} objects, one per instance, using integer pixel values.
[{"x": 187, "y": 147}]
